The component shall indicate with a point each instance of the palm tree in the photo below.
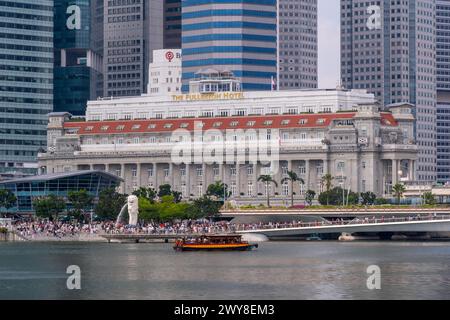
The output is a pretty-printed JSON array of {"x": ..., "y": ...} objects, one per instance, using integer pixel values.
[
  {"x": 267, "y": 179},
  {"x": 327, "y": 180},
  {"x": 292, "y": 177},
  {"x": 398, "y": 191}
]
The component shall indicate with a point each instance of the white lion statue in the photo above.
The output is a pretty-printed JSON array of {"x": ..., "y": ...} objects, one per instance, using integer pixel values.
[{"x": 133, "y": 210}]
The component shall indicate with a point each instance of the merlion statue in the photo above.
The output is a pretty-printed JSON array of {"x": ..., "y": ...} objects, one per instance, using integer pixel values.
[{"x": 133, "y": 210}]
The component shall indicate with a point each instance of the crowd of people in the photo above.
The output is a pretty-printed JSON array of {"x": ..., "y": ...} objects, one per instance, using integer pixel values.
[{"x": 38, "y": 229}]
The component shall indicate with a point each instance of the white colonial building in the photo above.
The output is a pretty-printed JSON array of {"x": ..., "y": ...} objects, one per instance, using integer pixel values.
[{"x": 190, "y": 141}]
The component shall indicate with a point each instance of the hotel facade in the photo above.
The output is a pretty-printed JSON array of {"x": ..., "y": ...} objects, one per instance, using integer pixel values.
[{"x": 190, "y": 141}]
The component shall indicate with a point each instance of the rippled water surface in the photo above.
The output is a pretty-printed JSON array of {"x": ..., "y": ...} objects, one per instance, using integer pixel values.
[{"x": 277, "y": 270}]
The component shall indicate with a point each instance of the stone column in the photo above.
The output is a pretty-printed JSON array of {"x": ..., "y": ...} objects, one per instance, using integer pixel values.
[
  {"x": 138, "y": 174},
  {"x": 122, "y": 175},
  {"x": 188, "y": 180},
  {"x": 171, "y": 175},
  {"x": 394, "y": 172},
  {"x": 411, "y": 170},
  {"x": 107, "y": 167},
  {"x": 307, "y": 176},
  {"x": 255, "y": 179},
  {"x": 155, "y": 175},
  {"x": 204, "y": 178},
  {"x": 238, "y": 179},
  {"x": 91, "y": 167}
]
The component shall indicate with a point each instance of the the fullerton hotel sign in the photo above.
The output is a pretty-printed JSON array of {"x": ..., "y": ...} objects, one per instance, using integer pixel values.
[{"x": 209, "y": 96}]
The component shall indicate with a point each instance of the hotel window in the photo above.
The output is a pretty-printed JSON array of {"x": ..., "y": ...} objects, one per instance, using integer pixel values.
[
  {"x": 184, "y": 125},
  {"x": 216, "y": 171},
  {"x": 127, "y": 116},
  {"x": 118, "y": 172},
  {"x": 159, "y": 115},
  {"x": 200, "y": 189},
  {"x": 120, "y": 141},
  {"x": 136, "y": 140},
  {"x": 152, "y": 139},
  {"x": 104, "y": 128},
  {"x": 250, "y": 170},
  {"x": 134, "y": 173},
  {"x": 168, "y": 125},
  {"x": 224, "y": 113},
  {"x": 166, "y": 172},
  {"x": 105, "y": 141},
  {"x": 303, "y": 121},
  {"x": 234, "y": 123},
  {"x": 96, "y": 117},
  {"x": 341, "y": 165},
  {"x": 363, "y": 186},
  {"x": 199, "y": 124},
  {"x": 302, "y": 135},
  {"x": 285, "y": 136},
  {"x": 151, "y": 126},
  {"x": 142, "y": 115},
  {"x": 285, "y": 122},
  {"x": 319, "y": 170},
  {"x": 120, "y": 127},
  {"x": 251, "y": 123},
  {"x": 302, "y": 170},
  {"x": 183, "y": 172},
  {"x": 199, "y": 172},
  {"x": 136, "y": 127},
  {"x": 240, "y": 112},
  {"x": 150, "y": 172},
  {"x": 111, "y": 116},
  {"x": 284, "y": 170},
  {"x": 168, "y": 139},
  {"x": 233, "y": 189},
  {"x": 189, "y": 114},
  {"x": 320, "y": 121},
  {"x": 208, "y": 114},
  {"x": 217, "y": 124},
  {"x": 250, "y": 189},
  {"x": 233, "y": 171},
  {"x": 89, "y": 141},
  {"x": 292, "y": 110},
  {"x": 89, "y": 128},
  {"x": 268, "y": 122},
  {"x": 285, "y": 189},
  {"x": 302, "y": 189},
  {"x": 274, "y": 110}
]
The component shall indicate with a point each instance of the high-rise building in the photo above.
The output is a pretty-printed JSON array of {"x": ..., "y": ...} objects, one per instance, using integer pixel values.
[
  {"x": 172, "y": 24},
  {"x": 26, "y": 81},
  {"x": 298, "y": 44},
  {"x": 230, "y": 36},
  {"x": 165, "y": 72},
  {"x": 78, "y": 54},
  {"x": 388, "y": 48},
  {"x": 443, "y": 86},
  {"x": 132, "y": 30}
]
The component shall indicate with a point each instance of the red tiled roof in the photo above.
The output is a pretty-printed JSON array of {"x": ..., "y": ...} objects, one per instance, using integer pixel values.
[{"x": 248, "y": 122}]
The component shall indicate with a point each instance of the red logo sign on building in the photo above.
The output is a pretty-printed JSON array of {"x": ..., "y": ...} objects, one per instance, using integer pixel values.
[{"x": 170, "y": 56}]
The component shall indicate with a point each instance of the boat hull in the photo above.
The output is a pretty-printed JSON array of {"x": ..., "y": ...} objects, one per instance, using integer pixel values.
[{"x": 244, "y": 247}]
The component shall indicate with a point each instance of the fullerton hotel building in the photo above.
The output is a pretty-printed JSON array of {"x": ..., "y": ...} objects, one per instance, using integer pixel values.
[{"x": 218, "y": 133}]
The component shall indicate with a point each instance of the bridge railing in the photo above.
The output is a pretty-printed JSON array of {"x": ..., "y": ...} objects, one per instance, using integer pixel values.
[{"x": 357, "y": 221}]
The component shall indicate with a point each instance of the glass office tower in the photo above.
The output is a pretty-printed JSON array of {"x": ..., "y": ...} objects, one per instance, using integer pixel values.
[{"x": 26, "y": 82}]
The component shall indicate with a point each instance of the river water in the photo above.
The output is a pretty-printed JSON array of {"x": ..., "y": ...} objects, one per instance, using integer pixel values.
[{"x": 277, "y": 270}]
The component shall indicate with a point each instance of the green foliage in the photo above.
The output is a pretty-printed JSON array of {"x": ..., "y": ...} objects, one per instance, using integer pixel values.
[
  {"x": 205, "y": 207},
  {"x": 7, "y": 199},
  {"x": 335, "y": 197},
  {"x": 3, "y": 230},
  {"x": 381, "y": 201},
  {"x": 109, "y": 204},
  {"x": 148, "y": 193},
  {"x": 218, "y": 190},
  {"x": 292, "y": 177},
  {"x": 368, "y": 198},
  {"x": 398, "y": 190},
  {"x": 309, "y": 197},
  {"x": 81, "y": 201},
  {"x": 429, "y": 198},
  {"x": 327, "y": 180},
  {"x": 49, "y": 207},
  {"x": 164, "y": 190}
]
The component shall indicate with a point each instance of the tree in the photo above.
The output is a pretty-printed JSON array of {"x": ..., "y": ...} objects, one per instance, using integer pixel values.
[
  {"x": 165, "y": 190},
  {"x": 309, "y": 197},
  {"x": 429, "y": 198},
  {"x": 398, "y": 190},
  {"x": 7, "y": 199},
  {"x": 368, "y": 198},
  {"x": 204, "y": 207},
  {"x": 148, "y": 193},
  {"x": 109, "y": 204},
  {"x": 334, "y": 197},
  {"x": 80, "y": 201},
  {"x": 267, "y": 179},
  {"x": 292, "y": 177},
  {"x": 327, "y": 180},
  {"x": 49, "y": 207},
  {"x": 218, "y": 190}
]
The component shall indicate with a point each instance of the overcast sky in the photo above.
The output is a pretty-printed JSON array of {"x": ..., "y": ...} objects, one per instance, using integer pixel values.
[{"x": 329, "y": 43}]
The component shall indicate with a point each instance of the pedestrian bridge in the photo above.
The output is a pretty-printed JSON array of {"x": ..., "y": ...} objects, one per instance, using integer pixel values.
[{"x": 412, "y": 225}]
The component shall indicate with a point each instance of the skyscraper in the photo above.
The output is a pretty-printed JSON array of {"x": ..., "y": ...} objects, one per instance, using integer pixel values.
[
  {"x": 443, "y": 85},
  {"x": 388, "y": 48},
  {"x": 132, "y": 30},
  {"x": 78, "y": 54},
  {"x": 172, "y": 24},
  {"x": 26, "y": 81},
  {"x": 238, "y": 36},
  {"x": 298, "y": 44}
]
